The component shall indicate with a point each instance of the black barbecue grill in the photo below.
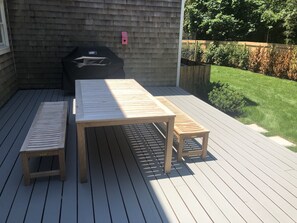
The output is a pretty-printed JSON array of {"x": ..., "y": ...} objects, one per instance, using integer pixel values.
[{"x": 90, "y": 63}]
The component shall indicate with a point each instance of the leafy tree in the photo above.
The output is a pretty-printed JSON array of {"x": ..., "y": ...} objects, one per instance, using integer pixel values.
[
  {"x": 219, "y": 19},
  {"x": 254, "y": 20},
  {"x": 290, "y": 21},
  {"x": 271, "y": 12}
]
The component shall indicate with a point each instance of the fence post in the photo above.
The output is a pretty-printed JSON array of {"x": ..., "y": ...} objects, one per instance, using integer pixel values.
[{"x": 195, "y": 51}]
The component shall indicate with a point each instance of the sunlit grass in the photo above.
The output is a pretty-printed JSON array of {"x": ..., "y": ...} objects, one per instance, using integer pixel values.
[{"x": 272, "y": 102}]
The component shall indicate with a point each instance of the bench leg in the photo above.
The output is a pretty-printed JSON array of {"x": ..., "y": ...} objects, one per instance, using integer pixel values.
[
  {"x": 180, "y": 148},
  {"x": 62, "y": 164},
  {"x": 204, "y": 146},
  {"x": 26, "y": 169}
]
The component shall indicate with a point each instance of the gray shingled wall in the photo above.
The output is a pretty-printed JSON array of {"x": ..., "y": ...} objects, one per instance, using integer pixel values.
[
  {"x": 45, "y": 31},
  {"x": 8, "y": 80}
]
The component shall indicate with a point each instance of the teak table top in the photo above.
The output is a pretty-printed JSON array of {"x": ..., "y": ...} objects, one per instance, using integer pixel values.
[{"x": 116, "y": 100}]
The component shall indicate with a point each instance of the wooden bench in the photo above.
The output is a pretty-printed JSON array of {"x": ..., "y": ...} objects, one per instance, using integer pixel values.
[
  {"x": 46, "y": 137},
  {"x": 184, "y": 128}
]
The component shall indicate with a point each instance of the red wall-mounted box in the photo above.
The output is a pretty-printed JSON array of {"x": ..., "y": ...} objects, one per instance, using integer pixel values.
[{"x": 124, "y": 38}]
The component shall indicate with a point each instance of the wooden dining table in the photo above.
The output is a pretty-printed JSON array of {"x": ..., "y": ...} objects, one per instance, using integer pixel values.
[{"x": 109, "y": 102}]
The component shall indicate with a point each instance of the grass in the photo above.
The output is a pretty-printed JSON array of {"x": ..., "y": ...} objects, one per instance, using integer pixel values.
[{"x": 271, "y": 102}]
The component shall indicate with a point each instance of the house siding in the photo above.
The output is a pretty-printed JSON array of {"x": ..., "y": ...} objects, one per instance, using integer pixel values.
[
  {"x": 8, "y": 80},
  {"x": 44, "y": 32}
]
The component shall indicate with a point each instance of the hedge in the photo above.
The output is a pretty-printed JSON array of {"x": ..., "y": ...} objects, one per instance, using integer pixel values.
[{"x": 269, "y": 60}]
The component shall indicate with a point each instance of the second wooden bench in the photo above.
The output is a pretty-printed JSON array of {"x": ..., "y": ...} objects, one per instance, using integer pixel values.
[
  {"x": 46, "y": 137},
  {"x": 184, "y": 128}
]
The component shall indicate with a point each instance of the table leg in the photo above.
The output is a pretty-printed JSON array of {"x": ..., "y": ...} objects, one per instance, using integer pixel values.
[
  {"x": 82, "y": 153},
  {"x": 168, "y": 145}
]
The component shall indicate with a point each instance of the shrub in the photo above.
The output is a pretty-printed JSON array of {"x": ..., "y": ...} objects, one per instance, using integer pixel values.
[
  {"x": 192, "y": 52},
  {"x": 221, "y": 55},
  {"x": 227, "y": 99},
  {"x": 281, "y": 63},
  {"x": 188, "y": 51},
  {"x": 210, "y": 52},
  {"x": 199, "y": 53},
  {"x": 265, "y": 57},
  {"x": 229, "y": 54},
  {"x": 270, "y": 60},
  {"x": 292, "y": 73},
  {"x": 254, "y": 60},
  {"x": 239, "y": 57}
]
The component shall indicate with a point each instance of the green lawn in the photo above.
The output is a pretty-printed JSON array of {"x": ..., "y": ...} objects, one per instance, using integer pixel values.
[{"x": 272, "y": 102}]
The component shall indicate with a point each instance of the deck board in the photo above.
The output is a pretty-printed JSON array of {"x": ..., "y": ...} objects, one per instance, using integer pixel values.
[
  {"x": 245, "y": 178},
  {"x": 242, "y": 193},
  {"x": 68, "y": 212},
  {"x": 101, "y": 208},
  {"x": 117, "y": 208}
]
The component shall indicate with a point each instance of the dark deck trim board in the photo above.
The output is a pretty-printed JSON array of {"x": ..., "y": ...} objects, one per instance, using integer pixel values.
[{"x": 245, "y": 178}]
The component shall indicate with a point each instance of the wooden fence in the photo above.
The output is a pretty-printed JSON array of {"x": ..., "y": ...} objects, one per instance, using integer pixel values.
[{"x": 204, "y": 44}]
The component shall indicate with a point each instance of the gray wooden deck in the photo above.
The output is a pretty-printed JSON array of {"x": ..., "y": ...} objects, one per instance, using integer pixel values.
[{"x": 246, "y": 177}]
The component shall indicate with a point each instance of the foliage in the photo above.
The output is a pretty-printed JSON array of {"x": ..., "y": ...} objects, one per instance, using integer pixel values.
[
  {"x": 240, "y": 57},
  {"x": 269, "y": 60},
  {"x": 229, "y": 54},
  {"x": 202, "y": 91},
  {"x": 221, "y": 55},
  {"x": 281, "y": 62},
  {"x": 266, "y": 55},
  {"x": 192, "y": 52},
  {"x": 253, "y": 20},
  {"x": 188, "y": 51},
  {"x": 217, "y": 20},
  {"x": 254, "y": 60},
  {"x": 271, "y": 12},
  {"x": 290, "y": 21},
  {"x": 210, "y": 52},
  {"x": 227, "y": 99},
  {"x": 261, "y": 60},
  {"x": 292, "y": 73},
  {"x": 272, "y": 61},
  {"x": 199, "y": 53}
]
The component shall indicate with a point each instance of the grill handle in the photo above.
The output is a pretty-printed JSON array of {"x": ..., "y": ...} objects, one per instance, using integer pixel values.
[{"x": 91, "y": 61}]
